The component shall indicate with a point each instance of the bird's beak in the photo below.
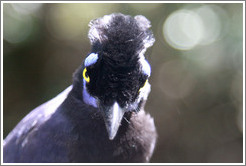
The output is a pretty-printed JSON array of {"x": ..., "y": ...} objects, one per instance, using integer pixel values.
[{"x": 112, "y": 117}]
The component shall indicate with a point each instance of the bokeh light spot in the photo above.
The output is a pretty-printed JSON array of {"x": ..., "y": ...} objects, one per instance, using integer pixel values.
[
  {"x": 212, "y": 23},
  {"x": 26, "y": 8},
  {"x": 16, "y": 27},
  {"x": 187, "y": 28},
  {"x": 183, "y": 29}
]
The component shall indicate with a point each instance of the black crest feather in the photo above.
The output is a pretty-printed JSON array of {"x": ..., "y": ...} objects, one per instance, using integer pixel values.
[{"x": 117, "y": 34}]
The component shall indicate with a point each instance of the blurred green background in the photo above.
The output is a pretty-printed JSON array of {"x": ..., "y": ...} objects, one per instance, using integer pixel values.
[{"x": 197, "y": 69}]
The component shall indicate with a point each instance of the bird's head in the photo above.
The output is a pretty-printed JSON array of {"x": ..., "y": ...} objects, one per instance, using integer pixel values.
[{"x": 115, "y": 73}]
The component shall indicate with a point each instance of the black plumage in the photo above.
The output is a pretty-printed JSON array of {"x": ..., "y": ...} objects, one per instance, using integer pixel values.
[{"x": 101, "y": 119}]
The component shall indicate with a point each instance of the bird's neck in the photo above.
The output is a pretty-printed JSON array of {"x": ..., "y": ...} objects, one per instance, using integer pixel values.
[{"x": 78, "y": 83}]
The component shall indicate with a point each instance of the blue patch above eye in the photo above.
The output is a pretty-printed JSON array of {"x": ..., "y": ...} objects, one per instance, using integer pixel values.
[
  {"x": 91, "y": 59},
  {"x": 145, "y": 66}
]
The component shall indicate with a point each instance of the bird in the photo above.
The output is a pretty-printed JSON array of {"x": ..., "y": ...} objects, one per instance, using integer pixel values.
[{"x": 100, "y": 117}]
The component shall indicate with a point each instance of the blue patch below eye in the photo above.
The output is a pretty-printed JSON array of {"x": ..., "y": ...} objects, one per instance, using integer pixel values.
[
  {"x": 88, "y": 99},
  {"x": 91, "y": 59}
]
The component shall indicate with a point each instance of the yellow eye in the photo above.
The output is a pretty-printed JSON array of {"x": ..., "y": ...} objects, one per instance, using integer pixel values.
[
  {"x": 143, "y": 85},
  {"x": 86, "y": 77}
]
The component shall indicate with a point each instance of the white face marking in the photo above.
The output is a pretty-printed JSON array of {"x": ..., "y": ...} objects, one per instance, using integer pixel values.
[
  {"x": 143, "y": 95},
  {"x": 88, "y": 99},
  {"x": 91, "y": 59},
  {"x": 144, "y": 92},
  {"x": 145, "y": 65}
]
